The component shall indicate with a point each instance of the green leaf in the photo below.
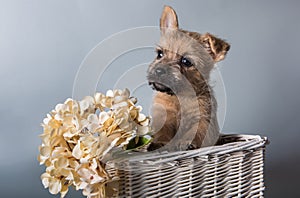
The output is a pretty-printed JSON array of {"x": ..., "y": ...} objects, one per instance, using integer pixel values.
[{"x": 142, "y": 141}]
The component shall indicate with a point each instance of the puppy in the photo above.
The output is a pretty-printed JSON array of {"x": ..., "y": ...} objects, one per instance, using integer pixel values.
[{"x": 184, "y": 106}]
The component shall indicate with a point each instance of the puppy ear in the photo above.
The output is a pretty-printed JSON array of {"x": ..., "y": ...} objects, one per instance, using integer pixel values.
[
  {"x": 216, "y": 47},
  {"x": 168, "y": 19}
]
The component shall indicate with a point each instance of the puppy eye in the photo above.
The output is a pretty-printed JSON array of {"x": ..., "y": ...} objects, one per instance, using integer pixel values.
[
  {"x": 160, "y": 54},
  {"x": 185, "y": 62}
]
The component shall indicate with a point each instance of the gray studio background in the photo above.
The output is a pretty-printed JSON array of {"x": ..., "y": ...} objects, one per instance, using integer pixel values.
[{"x": 42, "y": 44}]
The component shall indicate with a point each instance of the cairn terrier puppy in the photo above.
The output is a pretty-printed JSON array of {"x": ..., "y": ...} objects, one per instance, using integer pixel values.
[{"x": 184, "y": 106}]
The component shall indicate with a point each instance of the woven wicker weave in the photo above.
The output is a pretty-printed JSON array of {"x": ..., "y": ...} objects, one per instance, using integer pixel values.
[{"x": 234, "y": 168}]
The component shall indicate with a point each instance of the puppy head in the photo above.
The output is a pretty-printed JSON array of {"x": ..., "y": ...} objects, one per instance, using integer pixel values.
[{"x": 184, "y": 59}]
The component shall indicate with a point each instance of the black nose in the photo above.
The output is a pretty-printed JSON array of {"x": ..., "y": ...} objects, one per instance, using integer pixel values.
[{"x": 160, "y": 71}]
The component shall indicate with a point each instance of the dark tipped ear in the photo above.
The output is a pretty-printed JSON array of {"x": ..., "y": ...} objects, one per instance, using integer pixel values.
[
  {"x": 168, "y": 19},
  {"x": 216, "y": 47}
]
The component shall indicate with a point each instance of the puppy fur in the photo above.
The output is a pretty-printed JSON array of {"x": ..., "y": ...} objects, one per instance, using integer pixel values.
[{"x": 184, "y": 106}]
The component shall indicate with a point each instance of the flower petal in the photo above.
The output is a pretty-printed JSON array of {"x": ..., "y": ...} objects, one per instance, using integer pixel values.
[
  {"x": 45, "y": 179},
  {"x": 103, "y": 116},
  {"x": 93, "y": 118},
  {"x": 61, "y": 162},
  {"x": 109, "y": 93},
  {"x": 77, "y": 152},
  {"x": 45, "y": 151},
  {"x": 54, "y": 186}
]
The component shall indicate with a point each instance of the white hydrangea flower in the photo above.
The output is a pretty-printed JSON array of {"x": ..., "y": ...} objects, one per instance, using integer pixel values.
[{"x": 78, "y": 135}]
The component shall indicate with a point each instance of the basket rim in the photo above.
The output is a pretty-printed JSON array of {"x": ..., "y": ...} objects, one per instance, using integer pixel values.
[{"x": 245, "y": 142}]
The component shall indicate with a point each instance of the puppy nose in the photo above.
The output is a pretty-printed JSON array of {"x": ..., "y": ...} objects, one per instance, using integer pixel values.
[{"x": 160, "y": 71}]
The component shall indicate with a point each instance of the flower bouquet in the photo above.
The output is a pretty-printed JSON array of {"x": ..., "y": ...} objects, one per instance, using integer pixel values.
[{"x": 79, "y": 135}]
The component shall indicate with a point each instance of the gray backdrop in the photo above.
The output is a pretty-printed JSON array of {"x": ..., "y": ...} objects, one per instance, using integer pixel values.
[{"x": 42, "y": 44}]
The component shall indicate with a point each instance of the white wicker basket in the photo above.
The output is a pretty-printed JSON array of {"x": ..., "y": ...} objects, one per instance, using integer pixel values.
[{"x": 233, "y": 168}]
